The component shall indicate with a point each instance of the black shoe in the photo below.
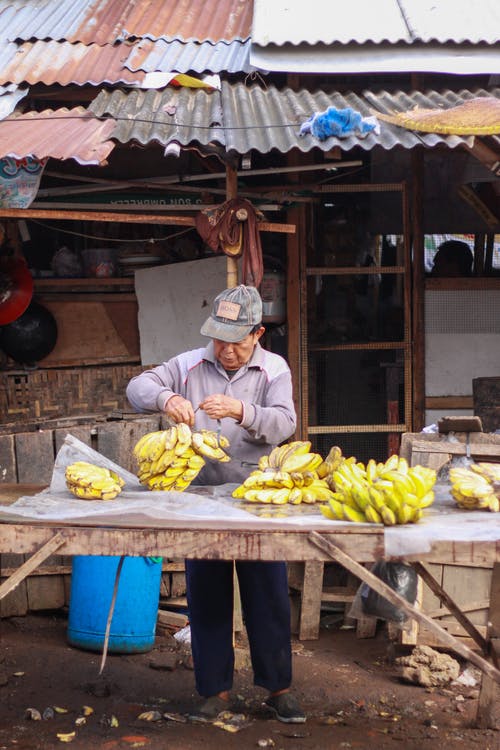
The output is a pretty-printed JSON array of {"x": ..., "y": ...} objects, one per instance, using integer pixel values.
[
  {"x": 286, "y": 708},
  {"x": 209, "y": 709}
]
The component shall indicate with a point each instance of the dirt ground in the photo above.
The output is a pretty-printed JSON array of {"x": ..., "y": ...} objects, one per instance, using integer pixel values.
[{"x": 348, "y": 686}]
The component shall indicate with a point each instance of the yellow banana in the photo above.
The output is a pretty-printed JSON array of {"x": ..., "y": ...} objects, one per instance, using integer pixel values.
[
  {"x": 329, "y": 513},
  {"x": 295, "y": 496},
  {"x": 353, "y": 515},
  {"x": 427, "y": 499},
  {"x": 404, "y": 514},
  {"x": 337, "y": 509},
  {"x": 388, "y": 516},
  {"x": 142, "y": 442},
  {"x": 280, "y": 497},
  {"x": 371, "y": 470},
  {"x": 264, "y": 463},
  {"x": 196, "y": 462},
  {"x": 206, "y": 451},
  {"x": 494, "y": 504},
  {"x": 239, "y": 492},
  {"x": 372, "y": 515}
]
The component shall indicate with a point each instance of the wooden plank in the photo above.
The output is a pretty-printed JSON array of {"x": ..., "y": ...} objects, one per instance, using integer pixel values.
[
  {"x": 35, "y": 560},
  {"x": 82, "y": 432},
  {"x": 8, "y": 471},
  {"x": 15, "y": 604},
  {"x": 45, "y": 592},
  {"x": 35, "y": 456},
  {"x": 451, "y": 604},
  {"x": 116, "y": 440},
  {"x": 310, "y": 609},
  {"x": 448, "y": 402},
  {"x": 460, "y": 424},
  {"x": 172, "y": 619},
  {"x": 489, "y": 693}
]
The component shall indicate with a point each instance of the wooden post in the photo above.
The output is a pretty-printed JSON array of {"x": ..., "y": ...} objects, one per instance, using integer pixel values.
[
  {"x": 418, "y": 336},
  {"x": 231, "y": 192},
  {"x": 488, "y": 697}
]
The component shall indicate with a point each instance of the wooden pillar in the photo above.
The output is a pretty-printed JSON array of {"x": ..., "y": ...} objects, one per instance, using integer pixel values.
[
  {"x": 418, "y": 290},
  {"x": 231, "y": 192}
]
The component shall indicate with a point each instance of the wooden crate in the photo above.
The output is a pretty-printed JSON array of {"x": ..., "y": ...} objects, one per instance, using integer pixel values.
[
  {"x": 435, "y": 450},
  {"x": 28, "y": 458},
  {"x": 468, "y": 586}
]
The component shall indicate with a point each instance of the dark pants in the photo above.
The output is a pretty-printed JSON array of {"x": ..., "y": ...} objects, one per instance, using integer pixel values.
[{"x": 266, "y": 612}]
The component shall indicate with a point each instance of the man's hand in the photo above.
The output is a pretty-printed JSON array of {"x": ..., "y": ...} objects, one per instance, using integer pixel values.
[
  {"x": 219, "y": 406},
  {"x": 179, "y": 409}
]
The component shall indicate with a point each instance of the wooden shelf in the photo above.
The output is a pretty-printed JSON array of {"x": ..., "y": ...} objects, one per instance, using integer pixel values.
[{"x": 118, "y": 284}]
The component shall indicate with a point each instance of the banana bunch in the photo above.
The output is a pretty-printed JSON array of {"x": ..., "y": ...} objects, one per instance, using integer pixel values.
[
  {"x": 477, "y": 487},
  {"x": 92, "y": 482},
  {"x": 170, "y": 459},
  {"x": 289, "y": 474},
  {"x": 389, "y": 493}
]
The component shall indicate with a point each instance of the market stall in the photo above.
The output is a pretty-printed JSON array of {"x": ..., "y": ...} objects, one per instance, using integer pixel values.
[{"x": 206, "y": 522}]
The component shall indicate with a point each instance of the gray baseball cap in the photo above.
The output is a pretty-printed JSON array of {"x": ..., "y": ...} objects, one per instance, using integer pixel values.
[{"x": 235, "y": 312}]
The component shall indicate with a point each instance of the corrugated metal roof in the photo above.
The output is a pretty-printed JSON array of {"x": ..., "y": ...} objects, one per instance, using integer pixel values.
[
  {"x": 9, "y": 97},
  {"x": 243, "y": 118},
  {"x": 458, "y": 59},
  {"x": 60, "y": 134},
  {"x": 293, "y": 21},
  {"x": 108, "y": 21},
  {"x": 182, "y": 57},
  {"x": 65, "y": 63},
  {"x": 380, "y": 36}
]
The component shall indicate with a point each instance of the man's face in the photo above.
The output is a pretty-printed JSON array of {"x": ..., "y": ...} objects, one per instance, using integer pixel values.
[{"x": 234, "y": 356}]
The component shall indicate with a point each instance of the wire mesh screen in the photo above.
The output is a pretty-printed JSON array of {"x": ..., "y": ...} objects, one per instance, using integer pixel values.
[{"x": 361, "y": 445}]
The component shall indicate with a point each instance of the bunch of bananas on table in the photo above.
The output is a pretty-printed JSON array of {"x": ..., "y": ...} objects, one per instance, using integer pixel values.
[
  {"x": 170, "y": 459},
  {"x": 289, "y": 474},
  {"x": 477, "y": 487},
  {"x": 92, "y": 482},
  {"x": 389, "y": 493}
]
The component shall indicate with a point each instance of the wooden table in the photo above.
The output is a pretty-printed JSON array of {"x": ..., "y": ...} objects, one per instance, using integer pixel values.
[{"x": 351, "y": 545}]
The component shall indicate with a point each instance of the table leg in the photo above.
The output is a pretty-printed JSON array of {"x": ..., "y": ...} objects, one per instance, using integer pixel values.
[
  {"x": 30, "y": 565},
  {"x": 489, "y": 693}
]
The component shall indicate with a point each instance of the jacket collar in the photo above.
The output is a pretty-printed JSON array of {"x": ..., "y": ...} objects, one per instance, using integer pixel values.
[{"x": 256, "y": 360}]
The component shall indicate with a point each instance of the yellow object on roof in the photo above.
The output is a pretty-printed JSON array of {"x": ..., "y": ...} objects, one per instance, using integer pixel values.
[{"x": 478, "y": 116}]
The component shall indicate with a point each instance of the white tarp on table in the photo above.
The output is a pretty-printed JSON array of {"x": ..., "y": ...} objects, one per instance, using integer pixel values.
[{"x": 442, "y": 522}]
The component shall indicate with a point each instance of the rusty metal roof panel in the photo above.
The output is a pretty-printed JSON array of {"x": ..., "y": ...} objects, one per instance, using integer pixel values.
[
  {"x": 182, "y": 57},
  {"x": 64, "y": 63},
  {"x": 108, "y": 21},
  {"x": 242, "y": 118},
  {"x": 59, "y": 134}
]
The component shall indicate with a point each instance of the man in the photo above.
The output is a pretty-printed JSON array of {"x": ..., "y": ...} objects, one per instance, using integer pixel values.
[{"x": 249, "y": 392}]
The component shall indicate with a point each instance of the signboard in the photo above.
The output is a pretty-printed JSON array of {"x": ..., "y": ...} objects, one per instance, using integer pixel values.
[{"x": 19, "y": 181}]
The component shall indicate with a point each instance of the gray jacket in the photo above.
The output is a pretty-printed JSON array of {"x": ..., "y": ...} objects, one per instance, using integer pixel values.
[{"x": 263, "y": 385}]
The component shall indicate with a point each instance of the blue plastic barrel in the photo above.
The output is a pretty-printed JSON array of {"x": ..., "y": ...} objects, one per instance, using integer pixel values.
[{"x": 136, "y": 606}]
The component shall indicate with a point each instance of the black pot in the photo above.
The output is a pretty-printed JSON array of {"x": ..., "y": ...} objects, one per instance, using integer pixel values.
[{"x": 31, "y": 337}]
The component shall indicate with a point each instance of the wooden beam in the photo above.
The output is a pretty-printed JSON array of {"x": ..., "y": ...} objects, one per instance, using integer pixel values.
[
  {"x": 34, "y": 561},
  {"x": 486, "y": 155},
  {"x": 399, "y": 601}
]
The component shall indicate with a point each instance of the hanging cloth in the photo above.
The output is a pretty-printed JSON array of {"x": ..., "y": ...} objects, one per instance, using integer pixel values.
[{"x": 231, "y": 228}]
